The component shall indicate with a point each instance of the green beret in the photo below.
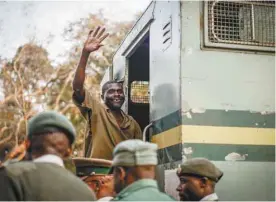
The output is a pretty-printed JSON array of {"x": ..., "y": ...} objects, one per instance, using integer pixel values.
[
  {"x": 134, "y": 153},
  {"x": 200, "y": 167},
  {"x": 51, "y": 121}
]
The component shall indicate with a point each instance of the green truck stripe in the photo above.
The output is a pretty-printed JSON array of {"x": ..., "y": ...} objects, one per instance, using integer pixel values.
[
  {"x": 231, "y": 118},
  {"x": 217, "y": 152}
]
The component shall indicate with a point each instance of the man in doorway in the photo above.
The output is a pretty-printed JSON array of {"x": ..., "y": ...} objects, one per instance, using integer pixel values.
[
  {"x": 107, "y": 124},
  {"x": 198, "y": 177}
]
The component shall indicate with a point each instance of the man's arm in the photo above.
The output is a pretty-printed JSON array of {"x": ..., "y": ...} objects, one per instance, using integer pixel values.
[
  {"x": 92, "y": 44},
  {"x": 80, "y": 77}
]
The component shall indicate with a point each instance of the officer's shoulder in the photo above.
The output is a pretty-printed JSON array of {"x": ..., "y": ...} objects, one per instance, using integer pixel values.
[
  {"x": 150, "y": 194},
  {"x": 18, "y": 168},
  {"x": 143, "y": 196}
]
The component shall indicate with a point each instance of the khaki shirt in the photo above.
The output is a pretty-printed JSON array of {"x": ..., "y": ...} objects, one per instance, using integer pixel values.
[{"x": 106, "y": 133}]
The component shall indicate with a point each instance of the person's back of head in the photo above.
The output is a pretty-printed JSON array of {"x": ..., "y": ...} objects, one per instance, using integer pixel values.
[
  {"x": 50, "y": 133},
  {"x": 133, "y": 160}
]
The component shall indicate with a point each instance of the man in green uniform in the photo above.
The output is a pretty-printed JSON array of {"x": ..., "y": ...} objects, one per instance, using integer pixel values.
[
  {"x": 198, "y": 177},
  {"x": 134, "y": 165},
  {"x": 107, "y": 124},
  {"x": 50, "y": 139}
]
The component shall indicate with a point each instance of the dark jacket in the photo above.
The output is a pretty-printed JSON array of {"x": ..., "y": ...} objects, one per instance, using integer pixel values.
[{"x": 30, "y": 181}]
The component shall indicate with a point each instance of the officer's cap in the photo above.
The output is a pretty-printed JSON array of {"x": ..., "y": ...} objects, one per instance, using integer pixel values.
[
  {"x": 134, "y": 153},
  {"x": 200, "y": 167},
  {"x": 51, "y": 121}
]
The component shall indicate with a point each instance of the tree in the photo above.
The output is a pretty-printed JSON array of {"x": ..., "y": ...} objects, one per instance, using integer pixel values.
[
  {"x": 31, "y": 84},
  {"x": 77, "y": 32},
  {"x": 24, "y": 83}
]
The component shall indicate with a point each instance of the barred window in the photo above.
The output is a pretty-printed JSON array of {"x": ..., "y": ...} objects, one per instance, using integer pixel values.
[
  {"x": 139, "y": 92},
  {"x": 245, "y": 23}
]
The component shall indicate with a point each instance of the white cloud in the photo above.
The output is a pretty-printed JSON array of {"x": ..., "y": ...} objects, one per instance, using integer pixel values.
[{"x": 20, "y": 21}]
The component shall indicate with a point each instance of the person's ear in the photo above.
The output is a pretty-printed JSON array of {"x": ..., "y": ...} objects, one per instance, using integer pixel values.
[
  {"x": 122, "y": 173},
  {"x": 69, "y": 152}
]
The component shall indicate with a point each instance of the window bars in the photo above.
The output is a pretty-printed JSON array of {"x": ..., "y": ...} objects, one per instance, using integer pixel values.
[
  {"x": 140, "y": 92},
  {"x": 246, "y": 23}
]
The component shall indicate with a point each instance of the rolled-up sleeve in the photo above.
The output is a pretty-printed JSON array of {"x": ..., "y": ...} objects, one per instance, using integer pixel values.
[{"x": 89, "y": 103}]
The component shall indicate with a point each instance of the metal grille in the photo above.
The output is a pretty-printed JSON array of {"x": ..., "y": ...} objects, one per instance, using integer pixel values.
[
  {"x": 242, "y": 22},
  {"x": 139, "y": 92}
]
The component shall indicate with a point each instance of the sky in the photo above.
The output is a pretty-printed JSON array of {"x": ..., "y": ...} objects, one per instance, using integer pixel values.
[{"x": 21, "y": 21}]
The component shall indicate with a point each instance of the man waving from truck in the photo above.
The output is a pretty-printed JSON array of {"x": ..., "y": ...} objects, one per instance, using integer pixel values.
[{"x": 107, "y": 124}]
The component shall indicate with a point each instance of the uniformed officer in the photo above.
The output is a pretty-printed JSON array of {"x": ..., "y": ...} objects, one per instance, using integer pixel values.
[
  {"x": 134, "y": 163},
  {"x": 50, "y": 139},
  {"x": 198, "y": 177}
]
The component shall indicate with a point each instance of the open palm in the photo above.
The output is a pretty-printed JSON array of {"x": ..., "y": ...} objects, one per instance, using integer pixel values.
[{"x": 94, "y": 40}]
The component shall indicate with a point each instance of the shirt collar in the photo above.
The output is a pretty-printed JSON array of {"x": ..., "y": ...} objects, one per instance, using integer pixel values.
[
  {"x": 210, "y": 197},
  {"x": 106, "y": 198},
  {"x": 138, "y": 185},
  {"x": 126, "y": 120},
  {"x": 50, "y": 158}
]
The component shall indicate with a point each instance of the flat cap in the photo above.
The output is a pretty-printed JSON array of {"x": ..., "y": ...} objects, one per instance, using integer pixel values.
[
  {"x": 51, "y": 121},
  {"x": 134, "y": 153},
  {"x": 200, "y": 167}
]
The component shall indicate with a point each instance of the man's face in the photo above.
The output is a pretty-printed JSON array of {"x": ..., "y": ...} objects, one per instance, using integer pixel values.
[
  {"x": 114, "y": 96},
  {"x": 190, "y": 188},
  {"x": 119, "y": 179}
]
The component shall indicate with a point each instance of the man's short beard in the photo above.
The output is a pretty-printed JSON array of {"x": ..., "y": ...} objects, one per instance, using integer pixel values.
[{"x": 114, "y": 108}]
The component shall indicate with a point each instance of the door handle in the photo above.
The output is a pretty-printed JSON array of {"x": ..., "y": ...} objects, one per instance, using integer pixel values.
[{"x": 145, "y": 131}]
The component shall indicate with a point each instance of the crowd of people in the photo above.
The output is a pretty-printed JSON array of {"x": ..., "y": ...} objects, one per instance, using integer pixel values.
[
  {"x": 112, "y": 135},
  {"x": 44, "y": 177}
]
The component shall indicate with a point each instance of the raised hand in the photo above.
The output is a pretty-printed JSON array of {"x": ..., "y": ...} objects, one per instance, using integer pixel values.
[{"x": 94, "y": 40}]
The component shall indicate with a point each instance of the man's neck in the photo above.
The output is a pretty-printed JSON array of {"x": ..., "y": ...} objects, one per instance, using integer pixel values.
[
  {"x": 118, "y": 116},
  {"x": 49, "y": 158}
]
